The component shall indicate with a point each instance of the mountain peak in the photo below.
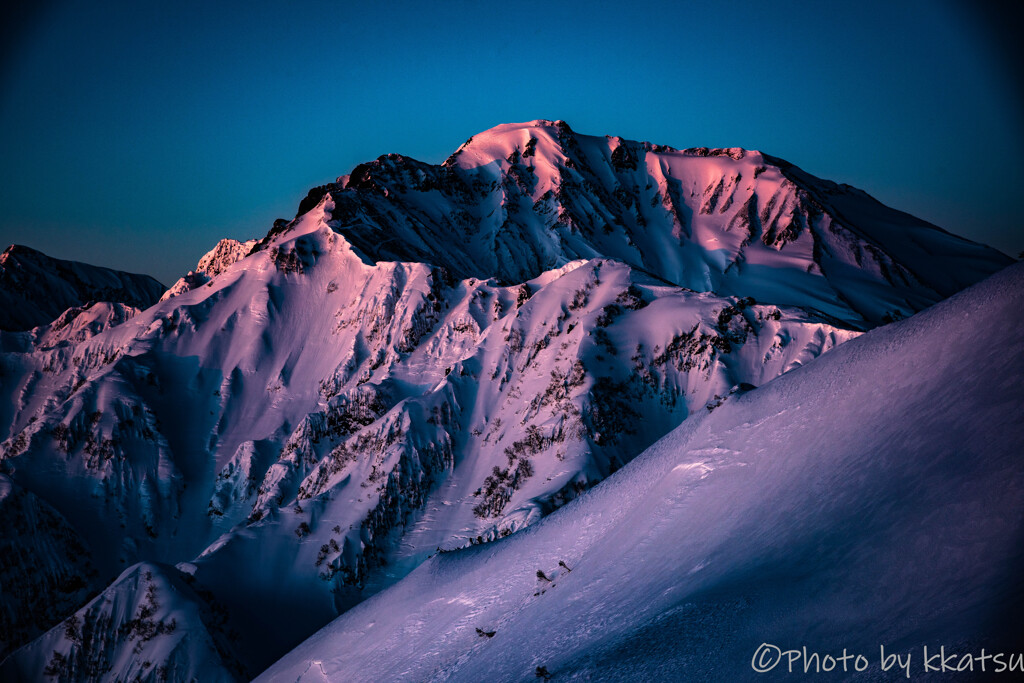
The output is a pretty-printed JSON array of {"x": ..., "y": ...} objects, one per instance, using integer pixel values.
[
  {"x": 506, "y": 135},
  {"x": 20, "y": 251},
  {"x": 522, "y": 198},
  {"x": 538, "y": 137},
  {"x": 213, "y": 263},
  {"x": 504, "y": 128}
]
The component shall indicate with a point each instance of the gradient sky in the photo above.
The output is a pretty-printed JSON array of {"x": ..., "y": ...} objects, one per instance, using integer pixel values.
[{"x": 135, "y": 134}]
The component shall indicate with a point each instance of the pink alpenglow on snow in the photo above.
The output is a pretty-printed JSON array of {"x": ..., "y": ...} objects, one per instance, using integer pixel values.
[{"x": 362, "y": 428}]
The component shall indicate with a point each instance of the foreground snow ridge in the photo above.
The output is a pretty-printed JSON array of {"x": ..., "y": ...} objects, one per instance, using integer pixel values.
[{"x": 874, "y": 498}]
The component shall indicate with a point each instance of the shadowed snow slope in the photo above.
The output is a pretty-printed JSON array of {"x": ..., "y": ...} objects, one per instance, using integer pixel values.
[
  {"x": 172, "y": 634},
  {"x": 36, "y": 288},
  {"x": 40, "y": 554},
  {"x": 874, "y": 497}
]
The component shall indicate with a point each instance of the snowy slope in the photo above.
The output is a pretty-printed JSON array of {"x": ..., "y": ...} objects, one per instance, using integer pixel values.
[
  {"x": 36, "y": 288},
  {"x": 346, "y": 420},
  {"x": 148, "y": 626},
  {"x": 45, "y": 571},
  {"x": 537, "y": 411},
  {"x": 873, "y": 498}
]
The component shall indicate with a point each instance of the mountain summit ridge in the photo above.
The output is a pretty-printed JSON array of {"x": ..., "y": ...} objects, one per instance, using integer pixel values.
[{"x": 519, "y": 199}]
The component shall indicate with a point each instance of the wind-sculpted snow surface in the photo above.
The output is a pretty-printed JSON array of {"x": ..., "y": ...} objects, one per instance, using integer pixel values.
[
  {"x": 872, "y": 499},
  {"x": 304, "y": 421}
]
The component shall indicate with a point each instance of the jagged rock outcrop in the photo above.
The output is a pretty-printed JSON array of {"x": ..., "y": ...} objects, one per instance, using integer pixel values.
[{"x": 212, "y": 264}]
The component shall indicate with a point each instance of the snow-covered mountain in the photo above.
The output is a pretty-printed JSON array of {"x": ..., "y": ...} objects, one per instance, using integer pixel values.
[
  {"x": 149, "y": 625},
  {"x": 874, "y": 498},
  {"x": 36, "y": 288},
  {"x": 302, "y": 420},
  {"x": 40, "y": 555},
  {"x": 310, "y": 403},
  {"x": 522, "y": 198}
]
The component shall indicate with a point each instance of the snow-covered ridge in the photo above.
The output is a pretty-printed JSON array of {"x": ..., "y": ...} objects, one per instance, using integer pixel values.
[
  {"x": 519, "y": 199},
  {"x": 36, "y": 288},
  {"x": 212, "y": 264},
  {"x": 171, "y": 634}
]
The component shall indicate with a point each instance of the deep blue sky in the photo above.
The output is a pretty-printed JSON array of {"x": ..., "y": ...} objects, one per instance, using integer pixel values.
[{"x": 135, "y": 135}]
